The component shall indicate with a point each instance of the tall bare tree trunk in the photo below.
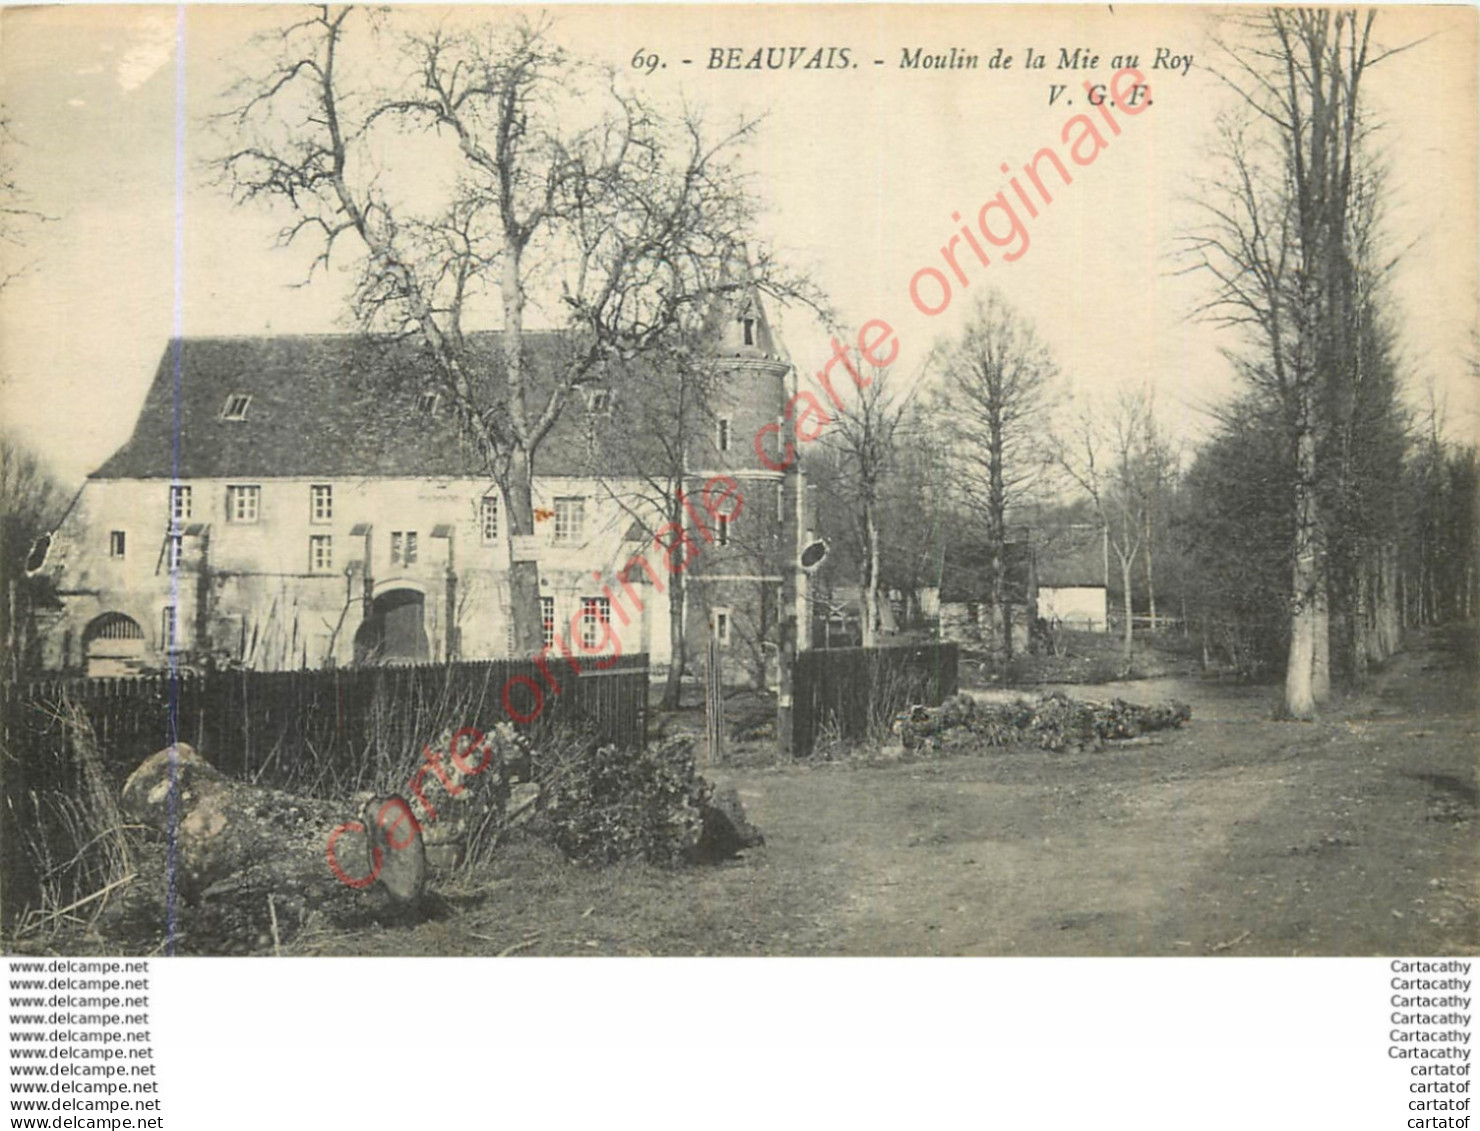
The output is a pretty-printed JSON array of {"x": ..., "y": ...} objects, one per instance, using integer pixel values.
[
  {"x": 524, "y": 575},
  {"x": 673, "y": 684},
  {"x": 524, "y": 570},
  {"x": 1320, "y": 668},
  {"x": 1126, "y": 566},
  {"x": 1150, "y": 575},
  {"x": 871, "y": 579},
  {"x": 1389, "y": 620},
  {"x": 1300, "y": 697},
  {"x": 1363, "y": 637},
  {"x": 1001, "y": 629},
  {"x": 678, "y": 598},
  {"x": 997, "y": 517}
]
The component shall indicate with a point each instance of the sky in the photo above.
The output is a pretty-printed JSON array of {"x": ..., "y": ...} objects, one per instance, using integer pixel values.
[{"x": 860, "y": 166}]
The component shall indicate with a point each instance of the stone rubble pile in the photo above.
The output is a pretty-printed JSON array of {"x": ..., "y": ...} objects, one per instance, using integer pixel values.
[{"x": 1051, "y": 722}]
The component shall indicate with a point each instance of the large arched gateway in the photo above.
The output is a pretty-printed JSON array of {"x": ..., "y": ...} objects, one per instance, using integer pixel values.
[
  {"x": 395, "y": 631},
  {"x": 113, "y": 645}
]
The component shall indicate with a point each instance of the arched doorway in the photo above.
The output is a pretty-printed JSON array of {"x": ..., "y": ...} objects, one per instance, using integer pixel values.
[
  {"x": 113, "y": 645},
  {"x": 395, "y": 631}
]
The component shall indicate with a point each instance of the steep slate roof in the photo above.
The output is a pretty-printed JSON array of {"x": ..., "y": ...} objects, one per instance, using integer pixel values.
[
  {"x": 341, "y": 405},
  {"x": 966, "y": 572},
  {"x": 1071, "y": 558}
]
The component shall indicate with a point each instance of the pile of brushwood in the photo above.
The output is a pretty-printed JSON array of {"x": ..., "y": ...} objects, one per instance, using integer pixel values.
[
  {"x": 1052, "y": 722},
  {"x": 204, "y": 863},
  {"x": 601, "y": 804}
]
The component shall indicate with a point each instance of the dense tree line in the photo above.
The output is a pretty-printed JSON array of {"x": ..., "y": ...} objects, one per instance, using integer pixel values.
[{"x": 1292, "y": 244}]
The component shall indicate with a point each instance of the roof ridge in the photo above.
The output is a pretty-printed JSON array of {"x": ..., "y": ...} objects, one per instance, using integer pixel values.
[{"x": 320, "y": 403}]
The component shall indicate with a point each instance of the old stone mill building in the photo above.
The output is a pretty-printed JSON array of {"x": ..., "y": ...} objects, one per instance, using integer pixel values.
[{"x": 304, "y": 501}]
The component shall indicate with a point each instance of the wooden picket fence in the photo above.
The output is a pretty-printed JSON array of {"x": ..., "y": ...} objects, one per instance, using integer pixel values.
[
  {"x": 321, "y": 733},
  {"x": 853, "y": 694},
  {"x": 290, "y": 728}
]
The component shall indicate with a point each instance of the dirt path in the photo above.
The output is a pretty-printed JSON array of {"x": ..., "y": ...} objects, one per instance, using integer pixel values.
[{"x": 1240, "y": 835}]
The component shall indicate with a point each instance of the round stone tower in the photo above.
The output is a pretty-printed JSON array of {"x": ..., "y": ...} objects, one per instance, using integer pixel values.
[{"x": 736, "y": 593}]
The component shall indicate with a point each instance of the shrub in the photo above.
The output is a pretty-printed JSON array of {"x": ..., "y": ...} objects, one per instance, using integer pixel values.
[
  {"x": 1054, "y": 722},
  {"x": 604, "y": 804}
]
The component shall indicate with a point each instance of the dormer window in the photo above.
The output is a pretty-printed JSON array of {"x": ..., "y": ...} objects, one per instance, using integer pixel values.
[
  {"x": 427, "y": 405},
  {"x": 236, "y": 406},
  {"x": 598, "y": 401},
  {"x": 748, "y": 325}
]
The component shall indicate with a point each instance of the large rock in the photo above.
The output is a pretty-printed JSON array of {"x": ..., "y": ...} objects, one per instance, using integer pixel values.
[{"x": 727, "y": 828}]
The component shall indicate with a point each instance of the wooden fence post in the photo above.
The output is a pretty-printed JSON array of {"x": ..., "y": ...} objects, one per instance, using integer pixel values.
[{"x": 714, "y": 701}]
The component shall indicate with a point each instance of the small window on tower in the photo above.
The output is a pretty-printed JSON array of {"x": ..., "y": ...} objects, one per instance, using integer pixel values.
[
  {"x": 722, "y": 440},
  {"x": 488, "y": 519},
  {"x": 749, "y": 325}
]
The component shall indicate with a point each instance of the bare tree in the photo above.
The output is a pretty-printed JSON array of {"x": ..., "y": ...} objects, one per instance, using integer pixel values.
[
  {"x": 1284, "y": 241},
  {"x": 1158, "y": 474},
  {"x": 644, "y": 455},
  {"x": 550, "y": 183},
  {"x": 31, "y": 504},
  {"x": 16, "y": 216},
  {"x": 995, "y": 388},
  {"x": 915, "y": 510},
  {"x": 1111, "y": 458},
  {"x": 865, "y": 437}
]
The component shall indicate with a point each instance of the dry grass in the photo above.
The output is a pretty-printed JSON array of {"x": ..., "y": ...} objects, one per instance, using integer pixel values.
[
  {"x": 77, "y": 840},
  {"x": 1238, "y": 836}
]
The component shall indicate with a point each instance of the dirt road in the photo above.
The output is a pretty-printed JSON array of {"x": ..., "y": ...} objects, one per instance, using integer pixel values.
[{"x": 1239, "y": 835}]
